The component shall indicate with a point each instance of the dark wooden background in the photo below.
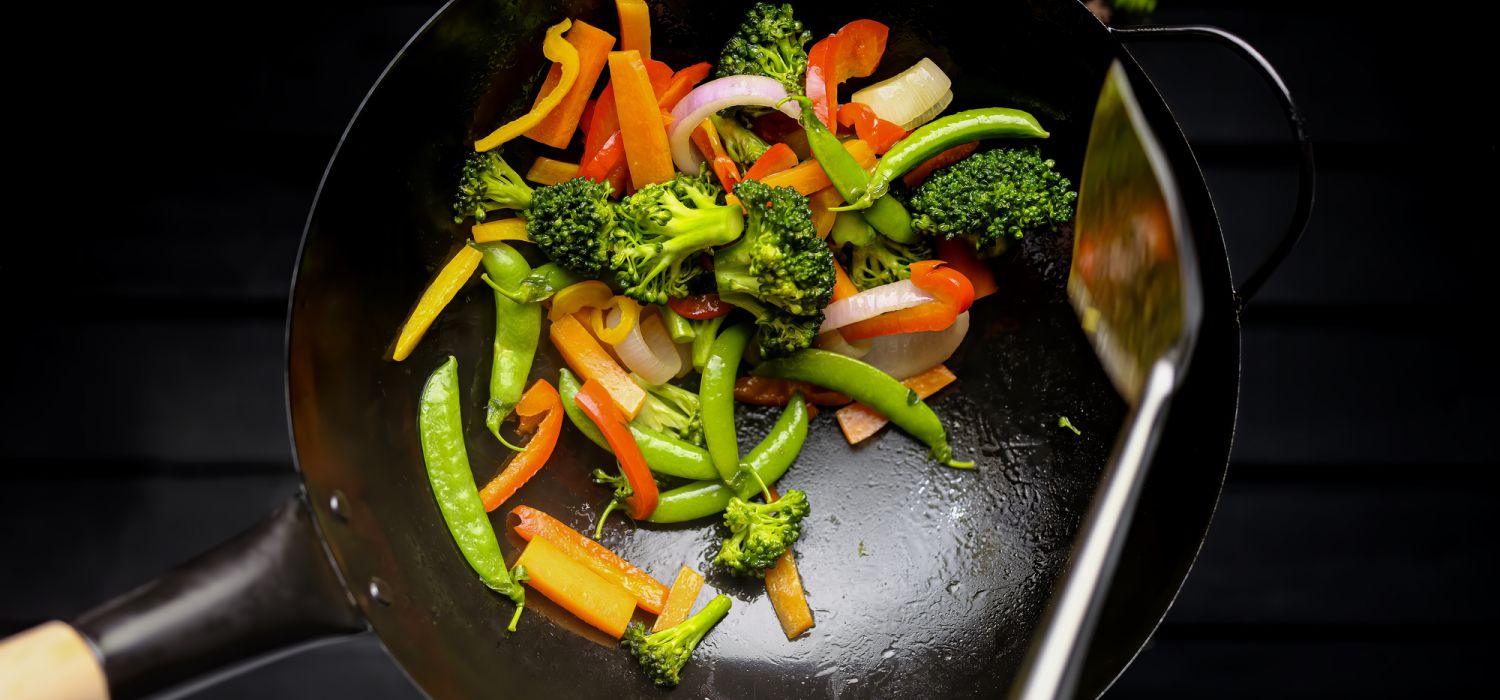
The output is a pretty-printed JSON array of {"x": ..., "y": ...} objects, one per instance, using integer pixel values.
[{"x": 1353, "y": 551}]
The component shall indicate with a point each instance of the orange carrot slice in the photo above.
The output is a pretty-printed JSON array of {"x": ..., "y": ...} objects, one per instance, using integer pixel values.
[
  {"x": 859, "y": 421},
  {"x": 646, "y": 151},
  {"x": 593, "y": 45},
  {"x": 578, "y": 590},
  {"x": 587, "y": 358},
  {"x": 680, "y": 599},
  {"x": 843, "y": 287},
  {"x": 648, "y": 593},
  {"x": 784, "y": 588},
  {"x": 635, "y": 26}
]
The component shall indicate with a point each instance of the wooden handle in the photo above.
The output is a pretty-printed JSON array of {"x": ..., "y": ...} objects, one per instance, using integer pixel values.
[{"x": 51, "y": 661}]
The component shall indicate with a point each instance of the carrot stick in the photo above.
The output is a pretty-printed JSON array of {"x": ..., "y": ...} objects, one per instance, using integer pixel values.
[
  {"x": 585, "y": 356},
  {"x": 649, "y": 593},
  {"x": 593, "y": 44},
  {"x": 578, "y": 590},
  {"x": 635, "y": 26},
  {"x": 776, "y": 159},
  {"x": 512, "y": 229},
  {"x": 808, "y": 177},
  {"x": 843, "y": 287},
  {"x": 820, "y": 202},
  {"x": 784, "y": 588},
  {"x": 680, "y": 599},
  {"x": 859, "y": 421},
  {"x": 546, "y": 171},
  {"x": 646, "y": 150},
  {"x": 540, "y": 399},
  {"x": 443, "y": 288}
]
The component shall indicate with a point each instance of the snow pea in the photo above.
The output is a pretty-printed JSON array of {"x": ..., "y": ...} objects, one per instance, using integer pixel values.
[
  {"x": 716, "y": 396},
  {"x": 440, "y": 425},
  {"x": 887, "y": 215},
  {"x": 869, "y": 386},
  {"x": 518, "y": 326},
  {"x": 940, "y": 135},
  {"x": 768, "y": 462},
  {"x": 542, "y": 282},
  {"x": 663, "y": 453}
]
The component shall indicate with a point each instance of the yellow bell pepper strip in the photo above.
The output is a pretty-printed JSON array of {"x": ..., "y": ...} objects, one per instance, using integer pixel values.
[
  {"x": 546, "y": 171},
  {"x": 635, "y": 26},
  {"x": 784, "y": 588},
  {"x": 680, "y": 599},
  {"x": 648, "y": 592},
  {"x": 541, "y": 400},
  {"x": 558, "y": 50},
  {"x": 593, "y": 46},
  {"x": 570, "y": 299},
  {"x": 512, "y": 229},
  {"x": 859, "y": 421},
  {"x": 594, "y": 400},
  {"x": 603, "y": 605},
  {"x": 630, "y": 315},
  {"x": 588, "y": 359},
  {"x": 647, "y": 154},
  {"x": 443, "y": 288}
]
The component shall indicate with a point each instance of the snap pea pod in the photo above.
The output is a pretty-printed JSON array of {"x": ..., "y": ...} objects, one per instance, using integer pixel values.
[
  {"x": 887, "y": 215},
  {"x": 680, "y": 328},
  {"x": 663, "y": 453},
  {"x": 768, "y": 462},
  {"x": 716, "y": 398},
  {"x": 873, "y": 388},
  {"x": 440, "y": 425},
  {"x": 518, "y": 326},
  {"x": 940, "y": 135},
  {"x": 704, "y": 333},
  {"x": 542, "y": 282}
]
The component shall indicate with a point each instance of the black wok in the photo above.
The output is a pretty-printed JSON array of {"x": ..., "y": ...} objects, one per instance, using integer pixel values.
[{"x": 924, "y": 581}]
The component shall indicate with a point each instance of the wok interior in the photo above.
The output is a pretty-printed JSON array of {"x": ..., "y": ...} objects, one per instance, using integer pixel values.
[{"x": 923, "y": 580}]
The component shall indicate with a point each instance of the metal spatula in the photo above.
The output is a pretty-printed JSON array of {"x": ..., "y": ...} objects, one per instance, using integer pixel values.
[{"x": 1134, "y": 283}]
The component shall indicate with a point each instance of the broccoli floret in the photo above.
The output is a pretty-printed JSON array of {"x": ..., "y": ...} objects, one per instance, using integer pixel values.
[
  {"x": 572, "y": 222},
  {"x": 993, "y": 197},
  {"x": 672, "y": 410},
  {"x": 877, "y": 260},
  {"x": 780, "y": 270},
  {"x": 662, "y": 228},
  {"x": 761, "y": 532},
  {"x": 743, "y": 145},
  {"x": 664, "y": 653},
  {"x": 622, "y": 491},
  {"x": 489, "y": 183},
  {"x": 769, "y": 42}
]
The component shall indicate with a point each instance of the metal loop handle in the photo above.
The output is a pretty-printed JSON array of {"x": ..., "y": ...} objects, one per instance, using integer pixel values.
[{"x": 1305, "y": 170}]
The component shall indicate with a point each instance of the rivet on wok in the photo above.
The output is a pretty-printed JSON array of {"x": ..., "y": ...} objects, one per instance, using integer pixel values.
[
  {"x": 379, "y": 590},
  {"x": 338, "y": 503}
]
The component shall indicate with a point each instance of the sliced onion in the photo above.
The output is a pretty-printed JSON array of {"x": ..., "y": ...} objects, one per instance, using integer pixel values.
[
  {"x": 931, "y": 114},
  {"x": 712, "y": 96},
  {"x": 871, "y": 303},
  {"x": 834, "y": 341},
  {"x": 909, "y": 354},
  {"x": 908, "y": 95},
  {"x": 647, "y": 350}
]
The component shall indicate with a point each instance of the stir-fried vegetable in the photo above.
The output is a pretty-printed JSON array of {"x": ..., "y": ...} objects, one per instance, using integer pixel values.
[
  {"x": 649, "y": 593},
  {"x": 557, "y": 49},
  {"x": 604, "y": 605},
  {"x": 540, "y": 402}
]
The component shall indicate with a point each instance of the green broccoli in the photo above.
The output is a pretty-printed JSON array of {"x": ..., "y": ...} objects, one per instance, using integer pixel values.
[
  {"x": 572, "y": 222},
  {"x": 661, "y": 231},
  {"x": 780, "y": 270},
  {"x": 488, "y": 183},
  {"x": 743, "y": 145},
  {"x": 622, "y": 491},
  {"x": 993, "y": 197},
  {"x": 672, "y": 410},
  {"x": 761, "y": 532},
  {"x": 874, "y": 259},
  {"x": 663, "y": 654},
  {"x": 769, "y": 42}
]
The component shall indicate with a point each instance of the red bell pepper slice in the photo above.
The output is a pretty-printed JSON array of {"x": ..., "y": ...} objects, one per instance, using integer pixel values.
[
  {"x": 959, "y": 254},
  {"x": 954, "y": 295},
  {"x": 595, "y": 403},
  {"x": 853, "y": 52},
  {"x": 701, "y": 307},
  {"x": 706, "y": 138},
  {"x": 941, "y": 160},
  {"x": 877, "y": 132},
  {"x": 776, "y": 159},
  {"x": 542, "y": 402}
]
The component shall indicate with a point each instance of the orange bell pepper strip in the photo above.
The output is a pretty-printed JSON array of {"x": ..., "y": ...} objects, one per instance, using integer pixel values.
[
  {"x": 773, "y": 391},
  {"x": 959, "y": 255},
  {"x": 455, "y": 273},
  {"x": 635, "y": 26},
  {"x": 557, "y": 49},
  {"x": 776, "y": 159},
  {"x": 843, "y": 287},
  {"x": 512, "y": 229},
  {"x": 680, "y": 599},
  {"x": 540, "y": 400},
  {"x": 546, "y": 171},
  {"x": 853, "y": 52},
  {"x": 645, "y": 136},
  {"x": 593, "y": 46},
  {"x": 588, "y": 359},
  {"x": 784, "y": 588},
  {"x": 648, "y": 592},
  {"x": 954, "y": 296},
  {"x": 594, "y": 400},
  {"x": 602, "y": 604},
  {"x": 706, "y": 138},
  {"x": 859, "y": 421},
  {"x": 941, "y": 160},
  {"x": 877, "y": 132},
  {"x": 821, "y": 203},
  {"x": 681, "y": 83},
  {"x": 808, "y": 177}
]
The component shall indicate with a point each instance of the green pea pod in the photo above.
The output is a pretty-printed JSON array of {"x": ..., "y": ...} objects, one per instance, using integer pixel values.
[
  {"x": 869, "y": 386},
  {"x": 540, "y": 284},
  {"x": 518, "y": 326},
  {"x": 716, "y": 398},
  {"x": 769, "y": 461},
  {"x": 940, "y": 135},
  {"x": 664, "y": 454},
  {"x": 440, "y": 424},
  {"x": 704, "y": 333},
  {"x": 681, "y": 329},
  {"x": 887, "y": 215}
]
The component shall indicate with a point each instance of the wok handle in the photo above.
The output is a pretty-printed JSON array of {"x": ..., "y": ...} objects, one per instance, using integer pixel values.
[
  {"x": 50, "y": 662},
  {"x": 1306, "y": 170},
  {"x": 271, "y": 587}
]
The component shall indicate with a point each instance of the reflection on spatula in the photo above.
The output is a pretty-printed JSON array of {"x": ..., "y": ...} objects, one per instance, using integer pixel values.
[{"x": 1134, "y": 283}]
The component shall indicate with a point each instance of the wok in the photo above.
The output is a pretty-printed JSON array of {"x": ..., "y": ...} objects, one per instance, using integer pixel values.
[{"x": 924, "y": 581}]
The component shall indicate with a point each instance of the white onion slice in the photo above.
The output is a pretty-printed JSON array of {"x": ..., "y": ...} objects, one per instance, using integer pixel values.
[
  {"x": 908, "y": 95},
  {"x": 833, "y": 341},
  {"x": 905, "y": 355},
  {"x": 931, "y": 114},
  {"x": 712, "y": 96},
  {"x": 871, "y": 303},
  {"x": 647, "y": 350}
]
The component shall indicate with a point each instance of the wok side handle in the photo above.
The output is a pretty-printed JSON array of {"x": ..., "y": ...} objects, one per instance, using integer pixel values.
[
  {"x": 1306, "y": 169},
  {"x": 271, "y": 587}
]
